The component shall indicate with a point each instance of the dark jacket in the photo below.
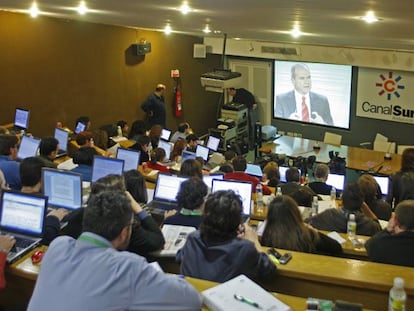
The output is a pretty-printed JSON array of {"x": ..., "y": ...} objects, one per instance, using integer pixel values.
[
  {"x": 402, "y": 187},
  {"x": 320, "y": 187}
]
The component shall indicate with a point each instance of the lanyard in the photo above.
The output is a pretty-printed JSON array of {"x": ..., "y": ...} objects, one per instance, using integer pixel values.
[{"x": 92, "y": 240}]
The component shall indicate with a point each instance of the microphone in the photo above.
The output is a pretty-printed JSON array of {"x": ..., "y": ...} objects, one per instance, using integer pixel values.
[
  {"x": 387, "y": 155},
  {"x": 378, "y": 170}
]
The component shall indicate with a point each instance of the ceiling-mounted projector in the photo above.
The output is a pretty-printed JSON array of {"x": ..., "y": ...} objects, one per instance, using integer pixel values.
[{"x": 218, "y": 80}]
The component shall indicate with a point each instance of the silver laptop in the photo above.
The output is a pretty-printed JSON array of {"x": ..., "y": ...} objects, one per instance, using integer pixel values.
[
  {"x": 383, "y": 182},
  {"x": 22, "y": 215},
  {"x": 63, "y": 188},
  {"x": 213, "y": 143},
  {"x": 208, "y": 179},
  {"x": 28, "y": 147},
  {"x": 242, "y": 188},
  {"x": 130, "y": 157},
  {"x": 166, "y": 189},
  {"x": 337, "y": 181},
  {"x": 254, "y": 170},
  {"x": 165, "y": 134},
  {"x": 103, "y": 166},
  {"x": 62, "y": 136}
]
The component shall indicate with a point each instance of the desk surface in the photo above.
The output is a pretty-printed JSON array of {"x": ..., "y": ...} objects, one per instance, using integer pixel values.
[{"x": 356, "y": 158}]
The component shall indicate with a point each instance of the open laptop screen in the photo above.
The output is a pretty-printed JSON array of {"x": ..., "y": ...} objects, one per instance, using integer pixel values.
[
  {"x": 80, "y": 127},
  {"x": 63, "y": 188},
  {"x": 165, "y": 134},
  {"x": 208, "y": 179},
  {"x": 242, "y": 188},
  {"x": 28, "y": 147},
  {"x": 383, "y": 182},
  {"x": 103, "y": 166},
  {"x": 202, "y": 151},
  {"x": 22, "y": 213},
  {"x": 254, "y": 169},
  {"x": 167, "y": 187},
  {"x": 166, "y": 146},
  {"x": 336, "y": 181},
  {"x": 130, "y": 157},
  {"x": 62, "y": 136},
  {"x": 21, "y": 118},
  {"x": 187, "y": 155},
  {"x": 213, "y": 143}
]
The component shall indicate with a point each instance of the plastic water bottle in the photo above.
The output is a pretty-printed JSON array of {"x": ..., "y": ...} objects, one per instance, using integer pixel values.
[
  {"x": 278, "y": 191},
  {"x": 333, "y": 194},
  {"x": 397, "y": 297},
  {"x": 315, "y": 205},
  {"x": 259, "y": 198},
  {"x": 351, "y": 227},
  {"x": 119, "y": 131}
]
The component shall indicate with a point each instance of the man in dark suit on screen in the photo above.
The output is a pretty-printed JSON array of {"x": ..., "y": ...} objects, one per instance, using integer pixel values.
[{"x": 302, "y": 104}]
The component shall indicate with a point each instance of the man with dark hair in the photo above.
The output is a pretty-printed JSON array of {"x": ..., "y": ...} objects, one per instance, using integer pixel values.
[
  {"x": 154, "y": 107},
  {"x": 218, "y": 251},
  {"x": 292, "y": 183},
  {"x": 334, "y": 219},
  {"x": 192, "y": 140},
  {"x": 395, "y": 244},
  {"x": 97, "y": 273},
  {"x": 142, "y": 144},
  {"x": 8, "y": 165},
  {"x": 181, "y": 133},
  {"x": 48, "y": 149},
  {"x": 239, "y": 166},
  {"x": 84, "y": 156},
  {"x": 124, "y": 127}
]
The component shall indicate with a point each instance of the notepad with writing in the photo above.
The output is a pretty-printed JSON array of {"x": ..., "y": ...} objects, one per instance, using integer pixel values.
[{"x": 241, "y": 294}]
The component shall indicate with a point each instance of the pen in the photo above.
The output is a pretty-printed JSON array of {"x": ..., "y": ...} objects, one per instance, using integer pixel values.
[{"x": 248, "y": 301}]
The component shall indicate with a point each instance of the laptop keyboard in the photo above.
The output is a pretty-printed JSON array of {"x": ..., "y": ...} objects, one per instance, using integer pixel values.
[{"x": 21, "y": 243}]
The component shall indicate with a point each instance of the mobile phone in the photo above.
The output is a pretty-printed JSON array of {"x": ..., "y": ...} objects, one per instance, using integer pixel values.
[
  {"x": 274, "y": 252},
  {"x": 285, "y": 258}
]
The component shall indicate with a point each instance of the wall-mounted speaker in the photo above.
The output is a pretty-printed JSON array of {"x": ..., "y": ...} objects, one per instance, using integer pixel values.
[
  {"x": 141, "y": 48},
  {"x": 199, "y": 51}
]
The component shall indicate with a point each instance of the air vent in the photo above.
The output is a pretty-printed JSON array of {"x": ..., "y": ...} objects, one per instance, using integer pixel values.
[{"x": 280, "y": 50}]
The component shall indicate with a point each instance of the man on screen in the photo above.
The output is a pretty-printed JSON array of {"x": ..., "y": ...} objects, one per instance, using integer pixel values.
[{"x": 302, "y": 104}]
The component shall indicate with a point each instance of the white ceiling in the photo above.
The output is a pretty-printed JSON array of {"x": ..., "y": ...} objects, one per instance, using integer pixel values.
[{"x": 324, "y": 22}]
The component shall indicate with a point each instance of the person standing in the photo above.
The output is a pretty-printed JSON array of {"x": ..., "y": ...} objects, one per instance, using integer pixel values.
[
  {"x": 154, "y": 107},
  {"x": 302, "y": 104},
  {"x": 243, "y": 96}
]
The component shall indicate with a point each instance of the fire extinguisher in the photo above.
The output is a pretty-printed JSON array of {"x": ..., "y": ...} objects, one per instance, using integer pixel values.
[{"x": 178, "y": 104}]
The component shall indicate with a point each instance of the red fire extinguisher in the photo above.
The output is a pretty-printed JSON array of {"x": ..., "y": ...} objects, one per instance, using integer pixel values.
[{"x": 178, "y": 105}]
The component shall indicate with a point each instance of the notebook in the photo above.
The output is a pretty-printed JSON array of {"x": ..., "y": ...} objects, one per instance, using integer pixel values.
[
  {"x": 383, "y": 182},
  {"x": 254, "y": 170},
  {"x": 167, "y": 146},
  {"x": 130, "y": 157},
  {"x": 242, "y": 294},
  {"x": 63, "y": 188},
  {"x": 213, "y": 143},
  {"x": 337, "y": 181},
  {"x": 62, "y": 136},
  {"x": 21, "y": 120},
  {"x": 28, "y": 147},
  {"x": 166, "y": 189},
  {"x": 80, "y": 127},
  {"x": 22, "y": 215},
  {"x": 208, "y": 179},
  {"x": 103, "y": 166},
  {"x": 242, "y": 188},
  {"x": 165, "y": 134}
]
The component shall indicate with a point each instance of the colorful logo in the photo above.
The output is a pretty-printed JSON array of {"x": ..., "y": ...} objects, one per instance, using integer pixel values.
[{"x": 390, "y": 85}]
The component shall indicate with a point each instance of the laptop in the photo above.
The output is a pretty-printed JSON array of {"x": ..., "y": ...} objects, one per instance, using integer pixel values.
[
  {"x": 80, "y": 127},
  {"x": 130, "y": 157},
  {"x": 383, "y": 182},
  {"x": 254, "y": 170},
  {"x": 167, "y": 146},
  {"x": 337, "y": 181},
  {"x": 28, "y": 147},
  {"x": 22, "y": 215},
  {"x": 62, "y": 136},
  {"x": 21, "y": 120},
  {"x": 166, "y": 189},
  {"x": 242, "y": 188},
  {"x": 213, "y": 143},
  {"x": 282, "y": 172},
  {"x": 103, "y": 166},
  {"x": 165, "y": 134},
  {"x": 63, "y": 188},
  {"x": 187, "y": 155},
  {"x": 203, "y": 152},
  {"x": 208, "y": 179}
]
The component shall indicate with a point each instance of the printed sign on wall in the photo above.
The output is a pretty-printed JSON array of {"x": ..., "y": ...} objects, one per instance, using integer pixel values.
[{"x": 385, "y": 94}]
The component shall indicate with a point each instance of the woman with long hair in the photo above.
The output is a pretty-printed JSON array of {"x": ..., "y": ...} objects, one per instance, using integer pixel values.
[{"x": 285, "y": 229}]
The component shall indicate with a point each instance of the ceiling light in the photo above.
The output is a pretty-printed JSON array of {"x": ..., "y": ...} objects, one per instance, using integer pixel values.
[
  {"x": 34, "y": 11},
  {"x": 370, "y": 17},
  {"x": 295, "y": 32},
  {"x": 207, "y": 29},
  {"x": 185, "y": 8},
  {"x": 167, "y": 29},
  {"x": 82, "y": 8}
]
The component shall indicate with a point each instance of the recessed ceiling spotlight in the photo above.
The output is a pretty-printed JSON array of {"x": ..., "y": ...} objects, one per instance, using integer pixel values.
[
  {"x": 217, "y": 32},
  {"x": 167, "y": 29},
  {"x": 34, "y": 11},
  {"x": 295, "y": 32},
  {"x": 185, "y": 8},
  {"x": 207, "y": 29},
  {"x": 370, "y": 17},
  {"x": 82, "y": 8}
]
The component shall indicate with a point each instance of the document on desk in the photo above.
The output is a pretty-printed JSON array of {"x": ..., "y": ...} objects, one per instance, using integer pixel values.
[
  {"x": 241, "y": 294},
  {"x": 175, "y": 237},
  {"x": 67, "y": 165}
]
